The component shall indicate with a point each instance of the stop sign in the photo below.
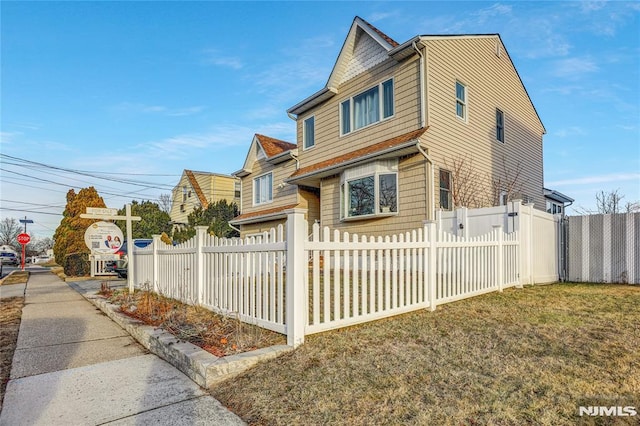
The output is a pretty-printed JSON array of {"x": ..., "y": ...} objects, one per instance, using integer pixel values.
[{"x": 24, "y": 238}]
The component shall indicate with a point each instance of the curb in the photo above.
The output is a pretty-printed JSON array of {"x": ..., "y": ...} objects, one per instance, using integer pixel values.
[{"x": 199, "y": 365}]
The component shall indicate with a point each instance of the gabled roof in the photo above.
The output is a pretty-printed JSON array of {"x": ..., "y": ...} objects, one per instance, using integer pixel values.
[
  {"x": 196, "y": 188},
  {"x": 391, "y": 147},
  {"x": 358, "y": 27},
  {"x": 274, "y": 150}
]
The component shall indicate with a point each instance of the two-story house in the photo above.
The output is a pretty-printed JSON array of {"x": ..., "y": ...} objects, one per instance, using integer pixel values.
[
  {"x": 199, "y": 189},
  {"x": 403, "y": 129},
  {"x": 265, "y": 192}
]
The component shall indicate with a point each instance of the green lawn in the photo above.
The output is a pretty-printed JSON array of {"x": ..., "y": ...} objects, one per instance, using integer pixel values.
[{"x": 528, "y": 356}]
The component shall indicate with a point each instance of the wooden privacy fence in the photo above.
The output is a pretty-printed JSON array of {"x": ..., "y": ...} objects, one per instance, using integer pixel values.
[{"x": 292, "y": 284}]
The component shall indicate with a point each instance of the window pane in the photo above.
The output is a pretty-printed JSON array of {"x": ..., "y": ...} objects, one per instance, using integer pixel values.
[
  {"x": 346, "y": 117},
  {"x": 387, "y": 93},
  {"x": 445, "y": 189},
  {"x": 461, "y": 95},
  {"x": 388, "y": 193},
  {"x": 256, "y": 188},
  {"x": 309, "y": 132},
  {"x": 366, "y": 108},
  {"x": 361, "y": 196},
  {"x": 499, "y": 125},
  {"x": 460, "y": 92}
]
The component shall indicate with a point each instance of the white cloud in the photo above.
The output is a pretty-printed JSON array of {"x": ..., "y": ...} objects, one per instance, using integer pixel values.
[
  {"x": 139, "y": 108},
  {"x": 588, "y": 180},
  {"x": 574, "y": 67},
  {"x": 570, "y": 131},
  {"x": 8, "y": 137},
  {"x": 213, "y": 57}
]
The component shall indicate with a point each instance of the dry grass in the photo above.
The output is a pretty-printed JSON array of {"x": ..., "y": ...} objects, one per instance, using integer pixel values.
[
  {"x": 529, "y": 356},
  {"x": 10, "y": 313},
  {"x": 18, "y": 277},
  {"x": 214, "y": 333}
]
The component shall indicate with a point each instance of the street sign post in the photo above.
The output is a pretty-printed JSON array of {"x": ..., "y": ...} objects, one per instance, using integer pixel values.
[{"x": 24, "y": 240}]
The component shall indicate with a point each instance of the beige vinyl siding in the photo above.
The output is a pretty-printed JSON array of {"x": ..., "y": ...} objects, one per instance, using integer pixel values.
[
  {"x": 311, "y": 201},
  {"x": 281, "y": 196},
  {"x": 412, "y": 203},
  {"x": 329, "y": 143},
  {"x": 258, "y": 228},
  {"x": 213, "y": 186},
  {"x": 178, "y": 214},
  {"x": 491, "y": 83},
  {"x": 216, "y": 188}
]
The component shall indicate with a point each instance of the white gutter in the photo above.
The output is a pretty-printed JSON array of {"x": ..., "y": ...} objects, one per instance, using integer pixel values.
[
  {"x": 423, "y": 103},
  {"x": 430, "y": 182}
]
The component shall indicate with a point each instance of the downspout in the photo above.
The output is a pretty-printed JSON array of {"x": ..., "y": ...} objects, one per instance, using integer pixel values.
[
  {"x": 423, "y": 102},
  {"x": 430, "y": 181},
  {"x": 430, "y": 178}
]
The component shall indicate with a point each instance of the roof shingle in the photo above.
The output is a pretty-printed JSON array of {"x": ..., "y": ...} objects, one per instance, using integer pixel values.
[{"x": 272, "y": 146}]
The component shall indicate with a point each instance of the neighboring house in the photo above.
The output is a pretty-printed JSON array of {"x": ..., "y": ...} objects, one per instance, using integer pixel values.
[
  {"x": 556, "y": 202},
  {"x": 265, "y": 194},
  {"x": 199, "y": 189},
  {"x": 380, "y": 146}
]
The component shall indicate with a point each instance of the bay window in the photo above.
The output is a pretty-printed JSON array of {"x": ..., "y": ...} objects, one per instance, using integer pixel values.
[{"x": 370, "y": 190}]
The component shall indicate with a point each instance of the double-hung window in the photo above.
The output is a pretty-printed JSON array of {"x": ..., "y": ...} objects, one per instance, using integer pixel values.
[
  {"x": 309, "y": 132},
  {"x": 370, "y": 190},
  {"x": 263, "y": 189},
  {"x": 499, "y": 125},
  {"x": 366, "y": 108},
  {"x": 461, "y": 100},
  {"x": 445, "y": 190}
]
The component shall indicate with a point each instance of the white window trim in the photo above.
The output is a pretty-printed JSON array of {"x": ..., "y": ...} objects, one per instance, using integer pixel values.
[
  {"x": 376, "y": 169},
  {"x": 465, "y": 103},
  {"x": 380, "y": 106},
  {"x": 304, "y": 133},
  {"x": 253, "y": 192}
]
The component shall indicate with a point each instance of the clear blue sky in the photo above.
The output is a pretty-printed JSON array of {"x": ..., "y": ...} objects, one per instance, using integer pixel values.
[{"x": 139, "y": 91}]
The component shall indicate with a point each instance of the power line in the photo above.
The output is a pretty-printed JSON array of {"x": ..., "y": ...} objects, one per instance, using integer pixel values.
[{"x": 152, "y": 185}]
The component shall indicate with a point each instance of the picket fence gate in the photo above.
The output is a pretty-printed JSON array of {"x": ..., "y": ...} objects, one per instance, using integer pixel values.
[{"x": 294, "y": 284}]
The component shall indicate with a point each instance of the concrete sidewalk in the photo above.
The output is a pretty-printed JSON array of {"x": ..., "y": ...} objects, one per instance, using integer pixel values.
[{"x": 74, "y": 366}]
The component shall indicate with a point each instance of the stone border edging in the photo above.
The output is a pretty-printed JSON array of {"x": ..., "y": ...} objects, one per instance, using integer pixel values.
[{"x": 199, "y": 365}]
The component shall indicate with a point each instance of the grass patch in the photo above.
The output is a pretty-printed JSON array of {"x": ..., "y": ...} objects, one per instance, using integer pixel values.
[
  {"x": 217, "y": 334},
  {"x": 529, "y": 356},
  {"x": 10, "y": 314},
  {"x": 18, "y": 277}
]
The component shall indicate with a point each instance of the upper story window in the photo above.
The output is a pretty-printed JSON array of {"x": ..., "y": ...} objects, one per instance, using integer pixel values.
[
  {"x": 499, "y": 125},
  {"x": 309, "y": 132},
  {"x": 445, "y": 190},
  {"x": 263, "y": 189},
  {"x": 368, "y": 107},
  {"x": 461, "y": 100},
  {"x": 184, "y": 194},
  {"x": 370, "y": 190}
]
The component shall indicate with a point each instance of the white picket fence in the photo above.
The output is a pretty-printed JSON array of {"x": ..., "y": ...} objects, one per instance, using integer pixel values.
[
  {"x": 357, "y": 279},
  {"x": 296, "y": 285}
]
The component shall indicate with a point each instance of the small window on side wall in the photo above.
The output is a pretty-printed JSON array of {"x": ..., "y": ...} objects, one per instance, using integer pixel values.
[
  {"x": 499, "y": 125},
  {"x": 445, "y": 190},
  {"x": 461, "y": 100},
  {"x": 309, "y": 132}
]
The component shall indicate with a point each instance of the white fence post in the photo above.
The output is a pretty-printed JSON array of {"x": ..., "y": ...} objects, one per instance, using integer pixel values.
[
  {"x": 430, "y": 234},
  {"x": 201, "y": 231},
  {"x": 499, "y": 235},
  {"x": 296, "y": 298},
  {"x": 154, "y": 264}
]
